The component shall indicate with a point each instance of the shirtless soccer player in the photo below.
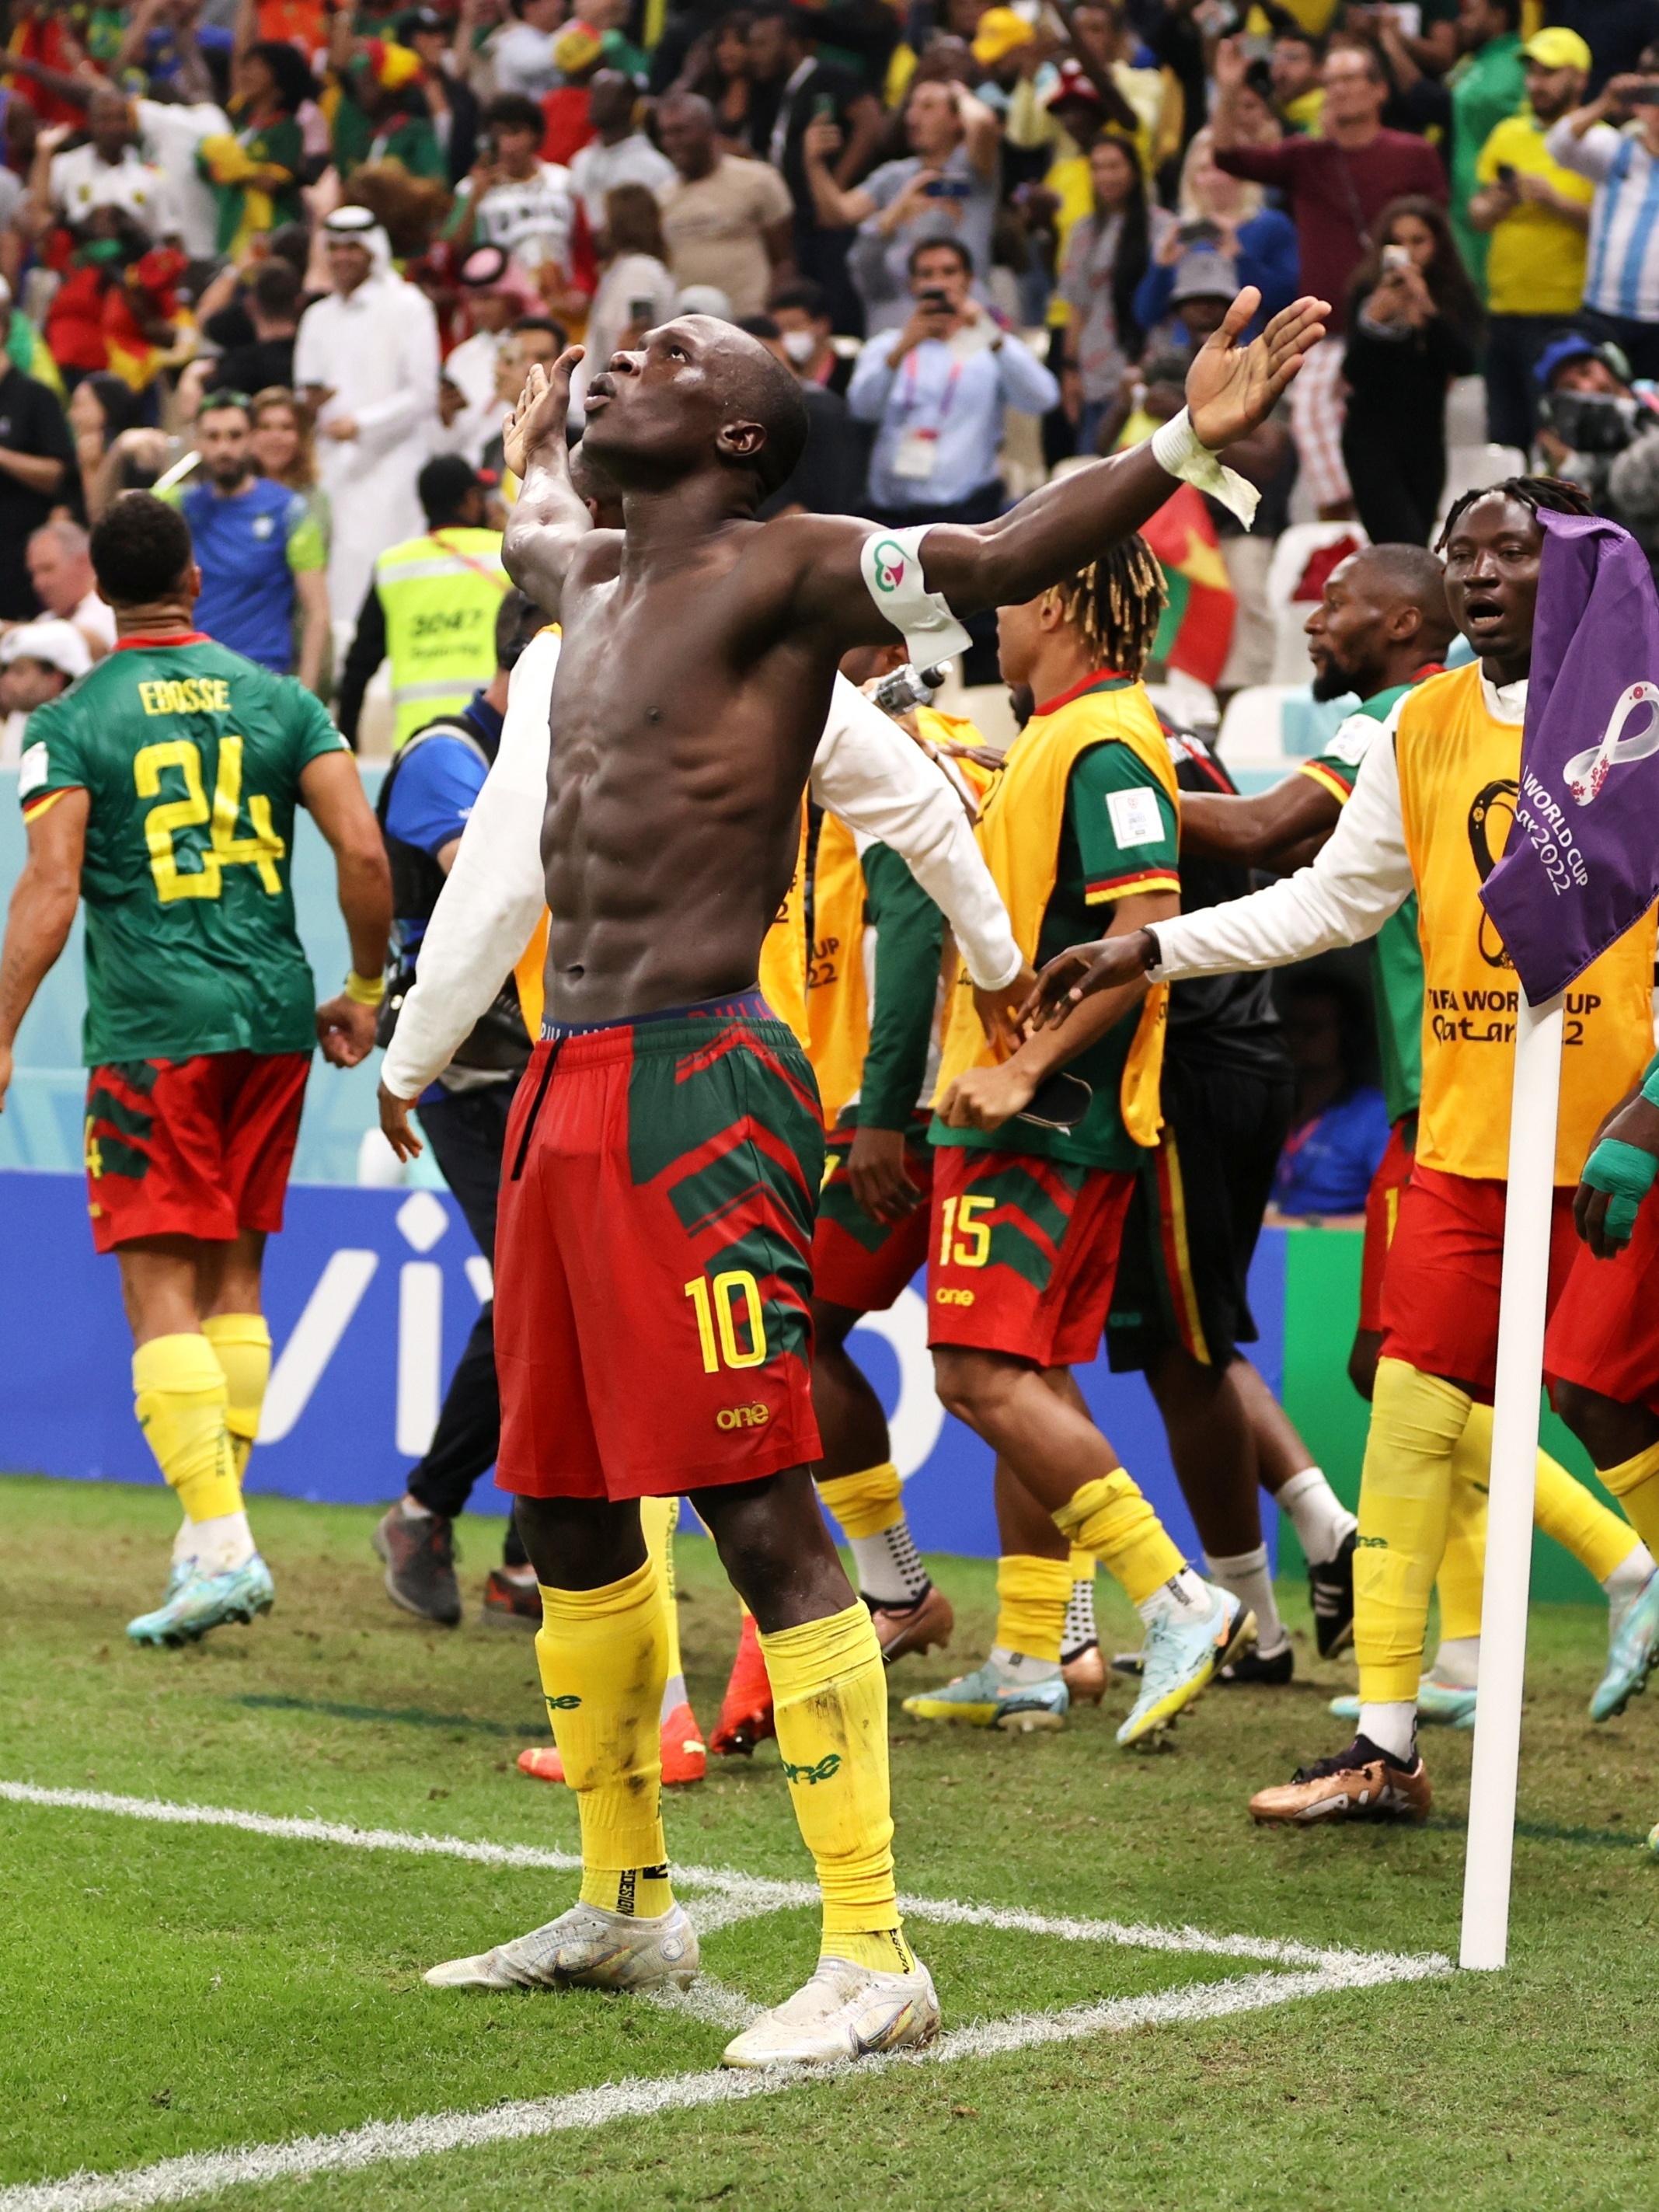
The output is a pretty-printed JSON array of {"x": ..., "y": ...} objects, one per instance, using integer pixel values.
[
  {"x": 161, "y": 789},
  {"x": 664, "y": 1157},
  {"x": 1425, "y": 816}
]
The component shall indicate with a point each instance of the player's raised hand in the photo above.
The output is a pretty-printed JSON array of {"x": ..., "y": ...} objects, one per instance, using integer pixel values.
[
  {"x": 1082, "y": 971},
  {"x": 1231, "y": 388},
  {"x": 543, "y": 409}
]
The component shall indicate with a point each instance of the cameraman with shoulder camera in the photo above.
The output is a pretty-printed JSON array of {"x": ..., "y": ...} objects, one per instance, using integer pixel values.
[
  {"x": 1621, "y": 292},
  {"x": 1600, "y": 432}
]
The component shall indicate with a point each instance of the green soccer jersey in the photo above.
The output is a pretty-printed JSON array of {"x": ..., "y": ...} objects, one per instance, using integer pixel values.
[
  {"x": 1396, "y": 954},
  {"x": 1120, "y": 836},
  {"x": 191, "y": 758}
]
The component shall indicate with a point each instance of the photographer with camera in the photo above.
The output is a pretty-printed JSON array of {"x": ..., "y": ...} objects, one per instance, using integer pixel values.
[
  {"x": 1622, "y": 295},
  {"x": 1598, "y": 432},
  {"x": 937, "y": 391}
]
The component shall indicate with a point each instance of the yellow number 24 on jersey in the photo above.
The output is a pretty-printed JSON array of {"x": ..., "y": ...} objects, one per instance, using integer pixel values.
[{"x": 227, "y": 850}]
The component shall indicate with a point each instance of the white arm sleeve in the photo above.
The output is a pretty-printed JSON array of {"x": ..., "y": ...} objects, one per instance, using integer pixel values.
[
  {"x": 494, "y": 894},
  {"x": 1361, "y": 877},
  {"x": 870, "y": 775}
]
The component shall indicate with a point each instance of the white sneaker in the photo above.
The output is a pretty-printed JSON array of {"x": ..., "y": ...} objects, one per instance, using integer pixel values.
[
  {"x": 844, "y": 2012},
  {"x": 586, "y": 1948}
]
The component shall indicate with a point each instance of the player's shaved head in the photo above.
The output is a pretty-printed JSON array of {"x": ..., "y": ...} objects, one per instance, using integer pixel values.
[
  {"x": 698, "y": 392},
  {"x": 1414, "y": 575},
  {"x": 140, "y": 550}
]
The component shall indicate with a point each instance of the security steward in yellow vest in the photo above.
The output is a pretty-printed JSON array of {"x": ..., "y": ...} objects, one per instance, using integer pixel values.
[{"x": 431, "y": 608}]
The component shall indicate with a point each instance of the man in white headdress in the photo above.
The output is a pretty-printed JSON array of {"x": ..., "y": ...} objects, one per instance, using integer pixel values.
[{"x": 366, "y": 357}]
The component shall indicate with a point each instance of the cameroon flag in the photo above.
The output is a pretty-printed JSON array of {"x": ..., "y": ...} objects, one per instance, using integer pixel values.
[{"x": 1197, "y": 627}]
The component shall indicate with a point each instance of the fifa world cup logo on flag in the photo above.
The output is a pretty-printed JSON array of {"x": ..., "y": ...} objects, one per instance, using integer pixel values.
[{"x": 1582, "y": 863}]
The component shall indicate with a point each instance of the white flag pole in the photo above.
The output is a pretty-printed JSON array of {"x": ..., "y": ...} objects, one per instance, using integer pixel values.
[{"x": 1522, "y": 1315}]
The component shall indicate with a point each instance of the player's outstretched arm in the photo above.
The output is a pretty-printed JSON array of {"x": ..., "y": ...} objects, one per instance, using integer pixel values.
[
  {"x": 42, "y": 914},
  {"x": 332, "y": 792},
  {"x": 1263, "y": 830},
  {"x": 1231, "y": 389},
  {"x": 551, "y": 519}
]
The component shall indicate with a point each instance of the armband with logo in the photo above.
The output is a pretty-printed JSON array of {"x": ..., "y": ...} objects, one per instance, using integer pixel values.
[{"x": 891, "y": 562}]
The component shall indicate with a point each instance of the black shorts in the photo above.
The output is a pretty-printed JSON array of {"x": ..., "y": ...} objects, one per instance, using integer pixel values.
[{"x": 1196, "y": 1216}]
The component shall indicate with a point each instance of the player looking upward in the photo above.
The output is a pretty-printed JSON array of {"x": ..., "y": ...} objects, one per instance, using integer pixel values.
[
  {"x": 666, "y": 1152},
  {"x": 162, "y": 790},
  {"x": 1381, "y": 629},
  {"x": 1425, "y": 816}
]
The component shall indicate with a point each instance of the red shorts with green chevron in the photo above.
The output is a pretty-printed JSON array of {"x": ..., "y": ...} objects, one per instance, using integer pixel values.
[
  {"x": 197, "y": 1147},
  {"x": 862, "y": 1264},
  {"x": 653, "y": 1257},
  {"x": 1023, "y": 1253}
]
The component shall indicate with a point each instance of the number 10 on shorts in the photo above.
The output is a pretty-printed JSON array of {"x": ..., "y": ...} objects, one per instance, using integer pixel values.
[{"x": 714, "y": 1306}]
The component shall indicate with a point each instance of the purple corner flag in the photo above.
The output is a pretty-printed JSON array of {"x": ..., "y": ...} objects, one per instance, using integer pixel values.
[{"x": 1584, "y": 866}]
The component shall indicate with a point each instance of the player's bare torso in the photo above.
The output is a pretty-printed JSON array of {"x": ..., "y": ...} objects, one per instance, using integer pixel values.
[{"x": 685, "y": 715}]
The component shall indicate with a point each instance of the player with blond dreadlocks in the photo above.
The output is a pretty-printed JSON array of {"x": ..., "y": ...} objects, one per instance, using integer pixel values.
[{"x": 1035, "y": 1159}]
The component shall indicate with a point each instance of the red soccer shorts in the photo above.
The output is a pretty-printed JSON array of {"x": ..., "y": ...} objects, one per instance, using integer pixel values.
[
  {"x": 1604, "y": 1334},
  {"x": 862, "y": 1264},
  {"x": 198, "y": 1147},
  {"x": 1382, "y": 1213},
  {"x": 1440, "y": 1293},
  {"x": 654, "y": 1258},
  {"x": 1023, "y": 1253}
]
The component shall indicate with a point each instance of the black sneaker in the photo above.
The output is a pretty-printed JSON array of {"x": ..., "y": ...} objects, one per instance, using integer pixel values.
[
  {"x": 1250, "y": 1668},
  {"x": 420, "y": 1563},
  {"x": 1330, "y": 1587}
]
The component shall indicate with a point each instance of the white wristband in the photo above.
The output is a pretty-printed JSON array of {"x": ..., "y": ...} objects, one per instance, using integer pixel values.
[{"x": 1175, "y": 448}]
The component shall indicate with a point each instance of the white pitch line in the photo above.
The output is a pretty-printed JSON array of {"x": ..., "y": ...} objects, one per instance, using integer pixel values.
[
  {"x": 741, "y": 1896},
  {"x": 176, "y": 2180}
]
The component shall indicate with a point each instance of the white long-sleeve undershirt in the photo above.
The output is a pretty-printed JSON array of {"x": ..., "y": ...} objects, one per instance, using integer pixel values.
[
  {"x": 1362, "y": 875},
  {"x": 865, "y": 770}
]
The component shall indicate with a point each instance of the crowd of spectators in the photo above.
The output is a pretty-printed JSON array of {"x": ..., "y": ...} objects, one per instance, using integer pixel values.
[{"x": 278, "y": 256}]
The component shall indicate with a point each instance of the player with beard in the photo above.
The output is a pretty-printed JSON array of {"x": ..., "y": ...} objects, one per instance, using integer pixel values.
[
  {"x": 664, "y": 1158},
  {"x": 1421, "y": 819}
]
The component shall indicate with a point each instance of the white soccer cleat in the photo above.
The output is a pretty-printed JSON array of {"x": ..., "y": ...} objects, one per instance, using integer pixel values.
[
  {"x": 844, "y": 2012},
  {"x": 586, "y": 1948}
]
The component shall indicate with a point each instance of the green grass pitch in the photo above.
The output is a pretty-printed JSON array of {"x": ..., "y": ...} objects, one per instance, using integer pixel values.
[{"x": 170, "y": 1990}]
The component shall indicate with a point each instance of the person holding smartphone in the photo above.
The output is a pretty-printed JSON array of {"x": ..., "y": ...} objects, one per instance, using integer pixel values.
[
  {"x": 1036, "y": 1153},
  {"x": 635, "y": 290}
]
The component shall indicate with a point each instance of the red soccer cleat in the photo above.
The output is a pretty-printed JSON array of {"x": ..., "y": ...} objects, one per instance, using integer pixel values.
[
  {"x": 747, "y": 1709},
  {"x": 684, "y": 1755}
]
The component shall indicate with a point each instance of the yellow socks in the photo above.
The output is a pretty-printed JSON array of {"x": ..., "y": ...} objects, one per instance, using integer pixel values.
[
  {"x": 870, "y": 1507},
  {"x": 1405, "y": 1495},
  {"x": 1579, "y": 1521},
  {"x": 181, "y": 1400},
  {"x": 1635, "y": 1484},
  {"x": 830, "y": 1692},
  {"x": 1111, "y": 1519},
  {"x": 865, "y": 1504},
  {"x": 1032, "y": 1596},
  {"x": 1463, "y": 1563},
  {"x": 241, "y": 1344},
  {"x": 658, "y": 1517},
  {"x": 603, "y": 1655}
]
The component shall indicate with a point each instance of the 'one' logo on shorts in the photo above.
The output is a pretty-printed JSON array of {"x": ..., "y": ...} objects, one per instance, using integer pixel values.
[
  {"x": 827, "y": 1766},
  {"x": 946, "y": 1297},
  {"x": 889, "y": 559},
  {"x": 742, "y": 1417}
]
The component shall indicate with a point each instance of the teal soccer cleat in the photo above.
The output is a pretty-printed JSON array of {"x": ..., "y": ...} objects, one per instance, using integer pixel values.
[
  {"x": 1179, "y": 1660},
  {"x": 1439, "y": 1704},
  {"x": 1632, "y": 1652},
  {"x": 196, "y": 1602},
  {"x": 987, "y": 1699}
]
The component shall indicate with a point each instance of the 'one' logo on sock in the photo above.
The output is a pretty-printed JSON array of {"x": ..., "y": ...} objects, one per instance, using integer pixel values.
[
  {"x": 563, "y": 1704},
  {"x": 827, "y": 1766}
]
